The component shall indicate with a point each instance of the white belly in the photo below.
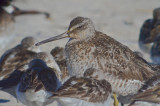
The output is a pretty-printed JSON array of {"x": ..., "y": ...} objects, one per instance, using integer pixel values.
[
  {"x": 77, "y": 102},
  {"x": 32, "y": 98},
  {"x": 123, "y": 87}
]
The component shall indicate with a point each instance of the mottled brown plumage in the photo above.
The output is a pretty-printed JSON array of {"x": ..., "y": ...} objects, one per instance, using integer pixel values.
[
  {"x": 18, "y": 56},
  {"x": 58, "y": 53},
  {"x": 87, "y": 89},
  {"x": 38, "y": 77},
  {"x": 14, "y": 63},
  {"x": 59, "y": 56},
  {"x": 94, "y": 74},
  {"x": 36, "y": 84},
  {"x": 11, "y": 76},
  {"x": 89, "y": 48},
  {"x": 156, "y": 66},
  {"x": 149, "y": 93}
]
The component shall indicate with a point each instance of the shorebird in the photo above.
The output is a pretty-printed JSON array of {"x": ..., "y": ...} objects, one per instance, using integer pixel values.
[
  {"x": 9, "y": 11},
  {"x": 71, "y": 94},
  {"x": 17, "y": 56},
  {"x": 148, "y": 31},
  {"x": 150, "y": 35},
  {"x": 83, "y": 92},
  {"x": 14, "y": 62},
  {"x": 149, "y": 94},
  {"x": 36, "y": 84},
  {"x": 40, "y": 86},
  {"x": 89, "y": 48},
  {"x": 9, "y": 82},
  {"x": 59, "y": 56}
]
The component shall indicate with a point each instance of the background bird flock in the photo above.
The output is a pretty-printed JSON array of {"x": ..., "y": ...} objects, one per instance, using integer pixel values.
[{"x": 122, "y": 20}]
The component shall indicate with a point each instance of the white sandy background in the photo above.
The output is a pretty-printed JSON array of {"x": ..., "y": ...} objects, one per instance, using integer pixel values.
[{"x": 120, "y": 19}]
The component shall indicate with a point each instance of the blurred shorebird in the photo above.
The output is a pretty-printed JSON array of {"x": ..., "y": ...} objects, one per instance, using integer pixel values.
[
  {"x": 9, "y": 11},
  {"x": 17, "y": 56},
  {"x": 149, "y": 31},
  {"x": 89, "y": 48},
  {"x": 149, "y": 39},
  {"x": 14, "y": 62},
  {"x": 59, "y": 56},
  {"x": 36, "y": 84},
  {"x": 149, "y": 94}
]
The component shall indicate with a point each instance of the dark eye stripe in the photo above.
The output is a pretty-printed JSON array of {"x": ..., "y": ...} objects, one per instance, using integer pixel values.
[{"x": 80, "y": 27}]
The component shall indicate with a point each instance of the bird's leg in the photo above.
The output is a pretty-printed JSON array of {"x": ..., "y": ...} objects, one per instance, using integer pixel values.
[{"x": 115, "y": 99}]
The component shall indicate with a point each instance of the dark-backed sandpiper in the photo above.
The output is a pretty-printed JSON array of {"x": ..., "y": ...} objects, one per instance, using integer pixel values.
[
  {"x": 14, "y": 62},
  {"x": 37, "y": 83},
  {"x": 148, "y": 31},
  {"x": 84, "y": 92}
]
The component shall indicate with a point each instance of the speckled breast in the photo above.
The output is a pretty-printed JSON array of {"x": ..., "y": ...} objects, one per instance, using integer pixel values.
[{"x": 79, "y": 57}]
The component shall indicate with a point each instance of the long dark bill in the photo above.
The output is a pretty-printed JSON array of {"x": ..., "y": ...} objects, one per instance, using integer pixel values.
[{"x": 61, "y": 36}]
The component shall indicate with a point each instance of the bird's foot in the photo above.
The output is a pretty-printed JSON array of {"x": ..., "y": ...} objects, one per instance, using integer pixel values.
[{"x": 116, "y": 102}]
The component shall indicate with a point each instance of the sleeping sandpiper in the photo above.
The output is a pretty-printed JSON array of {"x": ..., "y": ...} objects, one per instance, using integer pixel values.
[{"x": 148, "y": 31}]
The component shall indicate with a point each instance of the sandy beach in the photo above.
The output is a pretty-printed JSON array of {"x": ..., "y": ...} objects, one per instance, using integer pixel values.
[{"x": 120, "y": 19}]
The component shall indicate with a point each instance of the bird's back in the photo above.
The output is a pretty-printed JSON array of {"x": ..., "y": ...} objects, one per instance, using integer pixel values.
[{"x": 119, "y": 64}]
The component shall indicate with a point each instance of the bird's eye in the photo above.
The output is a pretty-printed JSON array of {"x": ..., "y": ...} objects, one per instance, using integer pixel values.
[{"x": 79, "y": 27}]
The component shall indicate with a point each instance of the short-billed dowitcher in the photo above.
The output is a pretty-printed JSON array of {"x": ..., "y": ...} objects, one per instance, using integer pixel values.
[{"x": 89, "y": 48}]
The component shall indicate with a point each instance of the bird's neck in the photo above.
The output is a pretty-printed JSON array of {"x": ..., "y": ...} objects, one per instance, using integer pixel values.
[{"x": 86, "y": 38}]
